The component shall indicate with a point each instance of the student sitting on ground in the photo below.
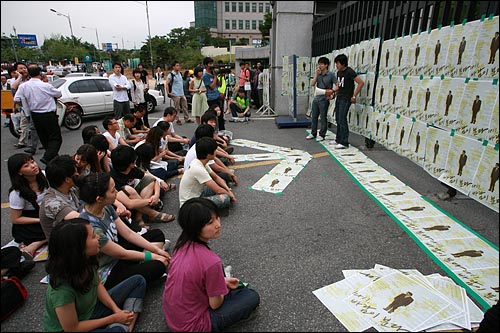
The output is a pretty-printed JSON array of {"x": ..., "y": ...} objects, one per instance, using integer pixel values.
[
  {"x": 240, "y": 106},
  {"x": 200, "y": 181},
  {"x": 197, "y": 296}
]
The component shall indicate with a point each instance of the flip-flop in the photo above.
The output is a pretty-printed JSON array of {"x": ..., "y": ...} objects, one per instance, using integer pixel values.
[
  {"x": 171, "y": 186},
  {"x": 158, "y": 218}
]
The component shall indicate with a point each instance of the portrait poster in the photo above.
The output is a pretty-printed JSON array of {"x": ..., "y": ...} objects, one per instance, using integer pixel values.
[
  {"x": 476, "y": 108},
  {"x": 354, "y": 119},
  {"x": 303, "y": 85},
  {"x": 416, "y": 142},
  {"x": 462, "y": 48},
  {"x": 363, "y": 59},
  {"x": 382, "y": 93},
  {"x": 364, "y": 118},
  {"x": 388, "y": 129},
  {"x": 427, "y": 92},
  {"x": 493, "y": 131},
  {"x": 463, "y": 159},
  {"x": 410, "y": 100},
  {"x": 385, "y": 67},
  {"x": 377, "y": 127},
  {"x": 368, "y": 87},
  {"x": 374, "y": 47},
  {"x": 437, "y": 145},
  {"x": 402, "y": 132},
  {"x": 304, "y": 67},
  {"x": 400, "y": 57},
  {"x": 436, "y": 51},
  {"x": 416, "y": 57},
  {"x": 485, "y": 187},
  {"x": 448, "y": 102},
  {"x": 284, "y": 78},
  {"x": 396, "y": 97},
  {"x": 485, "y": 60}
]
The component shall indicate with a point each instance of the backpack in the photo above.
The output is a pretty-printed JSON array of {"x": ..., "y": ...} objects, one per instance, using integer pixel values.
[
  {"x": 171, "y": 82},
  {"x": 14, "y": 295}
]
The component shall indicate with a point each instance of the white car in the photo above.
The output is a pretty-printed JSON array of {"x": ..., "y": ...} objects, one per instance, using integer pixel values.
[{"x": 87, "y": 96}]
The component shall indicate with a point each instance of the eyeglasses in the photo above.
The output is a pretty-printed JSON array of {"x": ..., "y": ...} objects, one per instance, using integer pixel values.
[{"x": 113, "y": 123}]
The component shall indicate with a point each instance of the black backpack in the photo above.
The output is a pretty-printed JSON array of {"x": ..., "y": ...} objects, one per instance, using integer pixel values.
[{"x": 171, "y": 82}]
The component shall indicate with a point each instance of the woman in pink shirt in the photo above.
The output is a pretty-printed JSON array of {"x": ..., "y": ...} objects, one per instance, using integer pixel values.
[{"x": 197, "y": 296}]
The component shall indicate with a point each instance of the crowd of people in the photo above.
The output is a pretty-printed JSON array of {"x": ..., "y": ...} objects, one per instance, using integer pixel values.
[{"x": 96, "y": 208}]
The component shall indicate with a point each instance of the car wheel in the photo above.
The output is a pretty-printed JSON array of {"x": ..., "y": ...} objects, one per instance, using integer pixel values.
[
  {"x": 150, "y": 104},
  {"x": 73, "y": 120}
]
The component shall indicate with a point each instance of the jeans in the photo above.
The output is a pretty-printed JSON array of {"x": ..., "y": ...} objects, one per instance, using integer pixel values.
[
  {"x": 128, "y": 295},
  {"x": 238, "y": 304},
  {"x": 341, "y": 110},
  {"x": 319, "y": 109},
  {"x": 216, "y": 198}
]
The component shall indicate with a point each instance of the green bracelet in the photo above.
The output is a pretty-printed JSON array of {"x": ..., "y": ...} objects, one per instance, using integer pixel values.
[{"x": 147, "y": 256}]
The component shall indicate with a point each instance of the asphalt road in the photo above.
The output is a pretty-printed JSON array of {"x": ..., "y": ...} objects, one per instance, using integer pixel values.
[{"x": 288, "y": 245}]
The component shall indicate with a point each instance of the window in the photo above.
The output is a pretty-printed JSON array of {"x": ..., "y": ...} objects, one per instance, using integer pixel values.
[
  {"x": 226, "y": 6},
  {"x": 261, "y": 7},
  {"x": 247, "y": 24},
  {"x": 83, "y": 86},
  {"x": 240, "y": 7},
  {"x": 247, "y": 7},
  {"x": 233, "y": 23},
  {"x": 240, "y": 24},
  {"x": 254, "y": 25},
  {"x": 268, "y": 8},
  {"x": 261, "y": 23},
  {"x": 228, "y": 24},
  {"x": 254, "y": 7},
  {"x": 104, "y": 85},
  {"x": 233, "y": 6}
]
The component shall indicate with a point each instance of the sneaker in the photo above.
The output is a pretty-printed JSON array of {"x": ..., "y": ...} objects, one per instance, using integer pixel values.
[
  {"x": 227, "y": 270},
  {"x": 339, "y": 146},
  {"x": 166, "y": 246},
  {"x": 320, "y": 138},
  {"x": 310, "y": 136}
]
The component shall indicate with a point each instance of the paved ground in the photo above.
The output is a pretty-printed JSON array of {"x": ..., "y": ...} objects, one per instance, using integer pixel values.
[{"x": 285, "y": 245}]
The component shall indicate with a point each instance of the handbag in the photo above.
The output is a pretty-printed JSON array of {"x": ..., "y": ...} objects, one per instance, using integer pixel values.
[
  {"x": 14, "y": 295},
  {"x": 248, "y": 86}
]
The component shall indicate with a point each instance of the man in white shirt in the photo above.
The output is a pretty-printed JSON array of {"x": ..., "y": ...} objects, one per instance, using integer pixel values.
[
  {"x": 39, "y": 100},
  {"x": 120, "y": 84},
  {"x": 200, "y": 181}
]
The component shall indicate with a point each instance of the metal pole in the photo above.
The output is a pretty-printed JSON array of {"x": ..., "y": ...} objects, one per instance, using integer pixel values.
[
  {"x": 98, "y": 45},
  {"x": 13, "y": 45},
  {"x": 230, "y": 51},
  {"x": 150, "y": 47}
]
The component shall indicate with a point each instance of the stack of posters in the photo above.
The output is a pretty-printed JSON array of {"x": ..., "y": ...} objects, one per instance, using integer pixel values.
[{"x": 389, "y": 299}]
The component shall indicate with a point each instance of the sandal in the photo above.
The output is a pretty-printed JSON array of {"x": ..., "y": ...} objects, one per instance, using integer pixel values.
[
  {"x": 179, "y": 122},
  {"x": 163, "y": 218},
  {"x": 170, "y": 186}
]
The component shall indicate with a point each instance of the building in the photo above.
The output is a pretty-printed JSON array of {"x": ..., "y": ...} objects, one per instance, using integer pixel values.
[{"x": 233, "y": 20}]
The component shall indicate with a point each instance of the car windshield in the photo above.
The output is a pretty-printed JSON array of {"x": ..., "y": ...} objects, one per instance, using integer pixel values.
[{"x": 57, "y": 83}]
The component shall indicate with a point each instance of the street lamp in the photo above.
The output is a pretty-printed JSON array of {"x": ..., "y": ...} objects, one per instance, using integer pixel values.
[
  {"x": 97, "y": 36},
  {"x": 70, "y": 28},
  {"x": 149, "y": 31}
]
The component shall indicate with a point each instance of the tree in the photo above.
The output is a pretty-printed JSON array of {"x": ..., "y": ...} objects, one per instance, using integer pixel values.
[{"x": 266, "y": 27}]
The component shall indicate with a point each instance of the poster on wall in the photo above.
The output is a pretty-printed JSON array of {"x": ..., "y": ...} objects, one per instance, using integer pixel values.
[
  {"x": 382, "y": 93},
  {"x": 386, "y": 65},
  {"x": 369, "y": 87},
  {"x": 363, "y": 60},
  {"x": 485, "y": 186},
  {"x": 462, "y": 48},
  {"x": 463, "y": 159},
  {"x": 402, "y": 135},
  {"x": 284, "y": 77},
  {"x": 416, "y": 57},
  {"x": 400, "y": 55},
  {"x": 485, "y": 60},
  {"x": 493, "y": 131},
  {"x": 364, "y": 118},
  {"x": 448, "y": 102},
  {"x": 388, "y": 129},
  {"x": 436, "y": 52},
  {"x": 373, "y": 54},
  {"x": 416, "y": 142},
  {"x": 476, "y": 108},
  {"x": 396, "y": 97},
  {"x": 410, "y": 101},
  {"x": 427, "y": 92},
  {"x": 437, "y": 145}
]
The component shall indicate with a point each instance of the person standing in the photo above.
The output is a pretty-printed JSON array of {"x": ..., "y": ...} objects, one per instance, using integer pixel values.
[
  {"x": 437, "y": 49},
  {"x": 495, "y": 173},
  {"x": 449, "y": 100},
  {"x": 462, "y": 160},
  {"x": 476, "y": 106},
  {"x": 137, "y": 92},
  {"x": 197, "y": 88},
  {"x": 120, "y": 85},
  {"x": 160, "y": 82},
  {"x": 144, "y": 77},
  {"x": 346, "y": 94},
  {"x": 39, "y": 98},
  {"x": 461, "y": 50},
  {"x": 493, "y": 48},
  {"x": 417, "y": 53},
  {"x": 211, "y": 83},
  {"x": 323, "y": 79},
  {"x": 427, "y": 98},
  {"x": 175, "y": 90}
]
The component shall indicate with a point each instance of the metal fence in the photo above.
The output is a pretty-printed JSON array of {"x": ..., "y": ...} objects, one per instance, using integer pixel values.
[{"x": 354, "y": 21}]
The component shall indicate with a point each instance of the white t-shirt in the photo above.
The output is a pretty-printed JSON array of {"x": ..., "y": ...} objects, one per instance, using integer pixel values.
[
  {"x": 191, "y": 155},
  {"x": 16, "y": 202},
  {"x": 193, "y": 180},
  {"x": 115, "y": 140}
]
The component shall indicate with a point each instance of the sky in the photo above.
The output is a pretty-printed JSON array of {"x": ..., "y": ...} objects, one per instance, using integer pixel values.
[{"x": 125, "y": 20}]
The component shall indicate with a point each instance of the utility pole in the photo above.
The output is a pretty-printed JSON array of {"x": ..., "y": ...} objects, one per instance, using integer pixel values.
[
  {"x": 13, "y": 45},
  {"x": 150, "y": 47}
]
